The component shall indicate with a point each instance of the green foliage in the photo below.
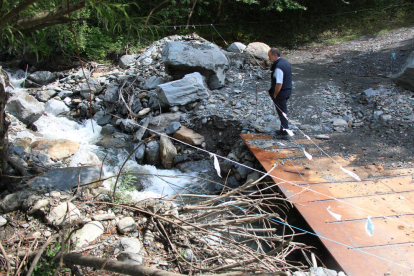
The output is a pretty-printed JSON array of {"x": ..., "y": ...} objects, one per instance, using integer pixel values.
[
  {"x": 124, "y": 187},
  {"x": 45, "y": 266}
]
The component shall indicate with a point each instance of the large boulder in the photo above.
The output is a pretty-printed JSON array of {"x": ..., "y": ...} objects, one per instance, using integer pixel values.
[
  {"x": 181, "y": 92},
  {"x": 237, "y": 47},
  {"x": 181, "y": 58},
  {"x": 259, "y": 53},
  {"x": 42, "y": 77},
  {"x": 405, "y": 78},
  {"x": 25, "y": 107},
  {"x": 168, "y": 151},
  {"x": 67, "y": 178},
  {"x": 56, "y": 148}
]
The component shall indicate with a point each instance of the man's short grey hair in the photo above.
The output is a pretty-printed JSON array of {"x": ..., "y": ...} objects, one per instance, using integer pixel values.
[{"x": 275, "y": 51}]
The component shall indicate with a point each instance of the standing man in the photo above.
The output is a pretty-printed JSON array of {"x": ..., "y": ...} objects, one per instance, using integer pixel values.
[{"x": 281, "y": 88}]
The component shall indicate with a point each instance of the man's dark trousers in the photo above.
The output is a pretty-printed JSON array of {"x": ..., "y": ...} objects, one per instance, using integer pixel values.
[{"x": 281, "y": 106}]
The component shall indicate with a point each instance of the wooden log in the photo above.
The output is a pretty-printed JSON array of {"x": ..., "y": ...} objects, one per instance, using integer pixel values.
[{"x": 114, "y": 266}]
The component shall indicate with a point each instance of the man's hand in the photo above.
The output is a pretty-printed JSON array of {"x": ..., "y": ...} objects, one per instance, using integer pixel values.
[{"x": 277, "y": 90}]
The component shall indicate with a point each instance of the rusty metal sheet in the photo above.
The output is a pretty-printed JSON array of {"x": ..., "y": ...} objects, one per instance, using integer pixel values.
[{"x": 385, "y": 193}]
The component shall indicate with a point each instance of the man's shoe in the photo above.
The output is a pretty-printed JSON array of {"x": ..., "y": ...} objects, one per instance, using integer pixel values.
[
  {"x": 283, "y": 135},
  {"x": 281, "y": 132}
]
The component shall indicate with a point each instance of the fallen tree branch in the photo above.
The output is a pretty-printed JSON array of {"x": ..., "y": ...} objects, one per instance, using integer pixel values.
[
  {"x": 114, "y": 266},
  {"x": 5, "y": 258}
]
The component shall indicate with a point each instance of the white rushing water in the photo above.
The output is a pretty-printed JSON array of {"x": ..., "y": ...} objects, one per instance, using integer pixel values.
[{"x": 158, "y": 182}]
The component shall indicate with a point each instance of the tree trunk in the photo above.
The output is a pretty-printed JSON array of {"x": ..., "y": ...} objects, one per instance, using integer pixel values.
[
  {"x": 4, "y": 125},
  {"x": 6, "y": 18}
]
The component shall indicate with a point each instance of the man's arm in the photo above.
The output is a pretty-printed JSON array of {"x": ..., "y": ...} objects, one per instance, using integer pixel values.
[
  {"x": 277, "y": 90},
  {"x": 278, "y": 75}
]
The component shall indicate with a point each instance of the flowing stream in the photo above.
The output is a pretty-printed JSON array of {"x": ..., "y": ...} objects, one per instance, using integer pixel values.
[{"x": 156, "y": 182}]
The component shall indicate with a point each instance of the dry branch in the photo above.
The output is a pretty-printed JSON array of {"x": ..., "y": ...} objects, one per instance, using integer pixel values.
[{"x": 114, "y": 266}]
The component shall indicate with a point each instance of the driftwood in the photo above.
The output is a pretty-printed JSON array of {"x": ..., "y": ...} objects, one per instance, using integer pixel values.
[{"x": 114, "y": 266}]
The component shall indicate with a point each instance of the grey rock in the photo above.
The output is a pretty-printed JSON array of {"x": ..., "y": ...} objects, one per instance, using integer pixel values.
[
  {"x": 56, "y": 107},
  {"x": 108, "y": 130},
  {"x": 172, "y": 128},
  {"x": 107, "y": 216},
  {"x": 141, "y": 131},
  {"x": 322, "y": 137},
  {"x": 112, "y": 142},
  {"x": 370, "y": 92},
  {"x": 38, "y": 205},
  {"x": 127, "y": 61},
  {"x": 89, "y": 232},
  {"x": 67, "y": 178},
  {"x": 405, "y": 78},
  {"x": 181, "y": 92},
  {"x": 55, "y": 194},
  {"x": 80, "y": 74},
  {"x": 154, "y": 102},
  {"x": 126, "y": 225},
  {"x": 95, "y": 88},
  {"x": 242, "y": 170},
  {"x": 167, "y": 152},
  {"x": 26, "y": 107},
  {"x": 377, "y": 114},
  {"x": 42, "y": 77},
  {"x": 146, "y": 58},
  {"x": 104, "y": 120},
  {"x": 237, "y": 47},
  {"x": 60, "y": 216},
  {"x": 111, "y": 93},
  {"x": 131, "y": 245},
  {"x": 340, "y": 123},
  {"x": 140, "y": 154},
  {"x": 131, "y": 258},
  {"x": 181, "y": 58},
  {"x": 160, "y": 123},
  {"x": 45, "y": 95},
  {"x": 14, "y": 201},
  {"x": 128, "y": 125},
  {"x": 137, "y": 106},
  {"x": 189, "y": 255},
  {"x": 152, "y": 83},
  {"x": 3, "y": 221},
  {"x": 320, "y": 271},
  {"x": 152, "y": 153},
  {"x": 65, "y": 93}
]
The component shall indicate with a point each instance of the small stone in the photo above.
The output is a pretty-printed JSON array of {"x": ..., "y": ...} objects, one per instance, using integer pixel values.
[
  {"x": 108, "y": 216},
  {"x": 131, "y": 245},
  {"x": 47, "y": 233},
  {"x": 38, "y": 205},
  {"x": 127, "y": 225},
  {"x": 322, "y": 137},
  {"x": 131, "y": 258},
  {"x": 90, "y": 232},
  {"x": 59, "y": 216},
  {"x": 36, "y": 235},
  {"x": 3, "y": 221}
]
